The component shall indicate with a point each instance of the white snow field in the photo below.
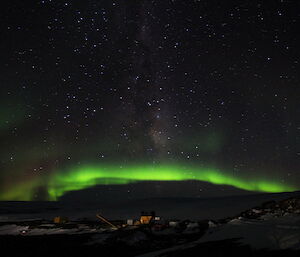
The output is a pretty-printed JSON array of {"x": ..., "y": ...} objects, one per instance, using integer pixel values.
[{"x": 273, "y": 233}]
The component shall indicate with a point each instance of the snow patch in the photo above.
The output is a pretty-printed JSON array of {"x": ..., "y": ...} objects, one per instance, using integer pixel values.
[{"x": 273, "y": 233}]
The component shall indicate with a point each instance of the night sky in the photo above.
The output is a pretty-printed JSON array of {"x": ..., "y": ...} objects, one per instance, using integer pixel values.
[{"x": 105, "y": 93}]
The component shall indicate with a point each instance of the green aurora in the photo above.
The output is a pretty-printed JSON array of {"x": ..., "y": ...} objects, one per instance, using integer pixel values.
[{"x": 87, "y": 176}]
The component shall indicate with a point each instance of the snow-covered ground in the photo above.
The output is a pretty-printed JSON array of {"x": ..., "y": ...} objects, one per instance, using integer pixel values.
[
  {"x": 14, "y": 229},
  {"x": 273, "y": 224},
  {"x": 273, "y": 233}
]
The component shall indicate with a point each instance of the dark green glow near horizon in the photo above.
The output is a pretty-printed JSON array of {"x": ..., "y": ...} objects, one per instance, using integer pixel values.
[{"x": 91, "y": 175}]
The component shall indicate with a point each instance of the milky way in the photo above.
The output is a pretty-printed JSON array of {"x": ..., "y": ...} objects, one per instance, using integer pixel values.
[{"x": 121, "y": 92}]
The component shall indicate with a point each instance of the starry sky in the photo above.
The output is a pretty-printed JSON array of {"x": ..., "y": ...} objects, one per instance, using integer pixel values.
[{"x": 122, "y": 92}]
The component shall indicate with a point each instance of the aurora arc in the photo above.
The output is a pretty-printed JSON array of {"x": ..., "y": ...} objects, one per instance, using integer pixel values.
[{"x": 91, "y": 175}]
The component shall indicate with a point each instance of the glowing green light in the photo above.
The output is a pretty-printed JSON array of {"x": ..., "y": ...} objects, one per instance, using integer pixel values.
[
  {"x": 20, "y": 191},
  {"x": 87, "y": 176}
]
